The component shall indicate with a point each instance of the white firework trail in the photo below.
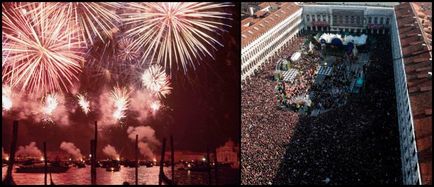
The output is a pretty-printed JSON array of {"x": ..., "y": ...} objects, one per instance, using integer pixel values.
[
  {"x": 155, "y": 79},
  {"x": 175, "y": 32}
]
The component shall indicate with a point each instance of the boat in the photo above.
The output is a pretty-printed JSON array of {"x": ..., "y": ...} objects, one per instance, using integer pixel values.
[
  {"x": 149, "y": 165},
  {"x": 40, "y": 168},
  {"x": 80, "y": 165},
  {"x": 198, "y": 167},
  {"x": 112, "y": 166},
  {"x": 181, "y": 166}
]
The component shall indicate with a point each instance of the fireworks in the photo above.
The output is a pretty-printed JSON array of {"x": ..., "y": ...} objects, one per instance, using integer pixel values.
[
  {"x": 126, "y": 52},
  {"x": 6, "y": 98},
  {"x": 155, "y": 106},
  {"x": 51, "y": 104},
  {"x": 174, "y": 31},
  {"x": 42, "y": 58},
  {"x": 84, "y": 104},
  {"x": 91, "y": 19},
  {"x": 155, "y": 79},
  {"x": 120, "y": 98}
]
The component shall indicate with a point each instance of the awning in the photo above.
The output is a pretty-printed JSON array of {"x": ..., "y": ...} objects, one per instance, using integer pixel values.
[{"x": 295, "y": 56}]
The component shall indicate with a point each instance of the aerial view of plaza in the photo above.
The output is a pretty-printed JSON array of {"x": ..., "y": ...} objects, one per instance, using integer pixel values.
[{"x": 336, "y": 93}]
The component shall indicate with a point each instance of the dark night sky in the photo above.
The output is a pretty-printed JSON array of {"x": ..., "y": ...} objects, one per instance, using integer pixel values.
[{"x": 204, "y": 109}]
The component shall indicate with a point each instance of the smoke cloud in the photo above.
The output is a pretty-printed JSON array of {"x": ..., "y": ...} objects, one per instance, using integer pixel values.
[
  {"x": 111, "y": 152},
  {"x": 146, "y": 133},
  {"x": 29, "y": 151},
  {"x": 32, "y": 106},
  {"x": 71, "y": 149},
  {"x": 141, "y": 105},
  {"x": 146, "y": 151}
]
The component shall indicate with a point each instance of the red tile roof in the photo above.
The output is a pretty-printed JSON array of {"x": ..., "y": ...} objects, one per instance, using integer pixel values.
[
  {"x": 258, "y": 26},
  {"x": 416, "y": 50}
]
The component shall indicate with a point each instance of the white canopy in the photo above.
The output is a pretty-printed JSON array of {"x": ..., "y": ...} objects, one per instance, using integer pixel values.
[
  {"x": 295, "y": 56},
  {"x": 357, "y": 40}
]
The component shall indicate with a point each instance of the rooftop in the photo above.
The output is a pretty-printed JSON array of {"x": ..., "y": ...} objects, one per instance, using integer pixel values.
[
  {"x": 252, "y": 28},
  {"x": 417, "y": 58}
]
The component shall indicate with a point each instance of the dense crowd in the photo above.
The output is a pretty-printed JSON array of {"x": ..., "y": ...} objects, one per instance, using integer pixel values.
[{"x": 353, "y": 144}]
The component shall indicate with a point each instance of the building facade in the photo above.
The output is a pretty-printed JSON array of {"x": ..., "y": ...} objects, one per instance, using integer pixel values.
[
  {"x": 409, "y": 27},
  {"x": 228, "y": 154},
  {"x": 412, "y": 63},
  {"x": 347, "y": 18},
  {"x": 264, "y": 39}
]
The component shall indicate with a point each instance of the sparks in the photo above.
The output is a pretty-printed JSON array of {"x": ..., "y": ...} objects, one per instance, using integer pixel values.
[
  {"x": 51, "y": 104},
  {"x": 155, "y": 79},
  {"x": 92, "y": 19},
  {"x": 175, "y": 32},
  {"x": 126, "y": 52},
  {"x": 6, "y": 98},
  {"x": 155, "y": 106},
  {"x": 84, "y": 104},
  {"x": 120, "y": 98},
  {"x": 42, "y": 58}
]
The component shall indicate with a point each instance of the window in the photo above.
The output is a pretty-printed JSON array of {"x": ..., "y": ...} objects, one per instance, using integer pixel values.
[
  {"x": 346, "y": 19},
  {"x": 369, "y": 19},
  {"x": 308, "y": 18},
  {"x": 324, "y": 17},
  {"x": 352, "y": 19},
  {"x": 387, "y": 21},
  {"x": 376, "y": 20},
  {"x": 313, "y": 18},
  {"x": 381, "y": 20}
]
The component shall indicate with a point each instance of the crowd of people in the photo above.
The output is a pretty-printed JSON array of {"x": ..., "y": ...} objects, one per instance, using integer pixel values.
[{"x": 353, "y": 144}]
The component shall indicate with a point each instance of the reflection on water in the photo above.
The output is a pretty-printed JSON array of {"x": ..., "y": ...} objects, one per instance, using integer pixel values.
[{"x": 146, "y": 176}]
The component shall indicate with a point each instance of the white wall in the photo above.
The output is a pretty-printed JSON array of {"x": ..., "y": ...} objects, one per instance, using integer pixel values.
[
  {"x": 259, "y": 51},
  {"x": 409, "y": 160}
]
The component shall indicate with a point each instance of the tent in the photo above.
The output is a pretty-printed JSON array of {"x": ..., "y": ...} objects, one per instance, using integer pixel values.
[
  {"x": 356, "y": 40},
  {"x": 295, "y": 56},
  {"x": 322, "y": 41},
  {"x": 336, "y": 41}
]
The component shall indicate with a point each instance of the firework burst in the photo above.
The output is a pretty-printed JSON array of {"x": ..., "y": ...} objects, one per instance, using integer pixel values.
[
  {"x": 50, "y": 105},
  {"x": 6, "y": 98},
  {"x": 120, "y": 97},
  {"x": 84, "y": 104},
  {"x": 175, "y": 32},
  {"x": 92, "y": 19},
  {"x": 155, "y": 106},
  {"x": 126, "y": 52},
  {"x": 42, "y": 58},
  {"x": 155, "y": 79}
]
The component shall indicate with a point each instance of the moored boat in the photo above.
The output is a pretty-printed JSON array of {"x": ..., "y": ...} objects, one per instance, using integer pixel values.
[{"x": 40, "y": 168}]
